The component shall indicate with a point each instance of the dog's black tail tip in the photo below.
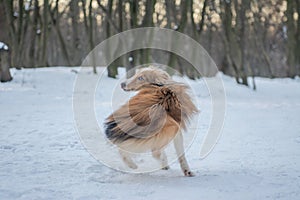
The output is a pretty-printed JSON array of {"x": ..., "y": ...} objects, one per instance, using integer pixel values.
[{"x": 109, "y": 129}]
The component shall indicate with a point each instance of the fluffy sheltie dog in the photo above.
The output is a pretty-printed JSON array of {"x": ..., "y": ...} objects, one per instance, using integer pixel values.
[{"x": 151, "y": 118}]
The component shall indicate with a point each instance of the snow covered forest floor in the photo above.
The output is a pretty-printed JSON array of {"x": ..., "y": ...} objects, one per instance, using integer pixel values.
[{"x": 257, "y": 156}]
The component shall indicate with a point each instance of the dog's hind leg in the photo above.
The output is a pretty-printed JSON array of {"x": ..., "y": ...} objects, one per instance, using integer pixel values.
[
  {"x": 127, "y": 159},
  {"x": 178, "y": 143},
  {"x": 162, "y": 157}
]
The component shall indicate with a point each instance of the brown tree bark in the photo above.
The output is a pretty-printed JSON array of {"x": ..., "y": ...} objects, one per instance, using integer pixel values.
[
  {"x": 5, "y": 75},
  {"x": 297, "y": 51},
  {"x": 234, "y": 39},
  {"x": 291, "y": 33},
  {"x": 184, "y": 5},
  {"x": 32, "y": 48},
  {"x": 76, "y": 44},
  {"x": 91, "y": 36},
  {"x": 55, "y": 22},
  {"x": 45, "y": 33},
  {"x": 132, "y": 56},
  {"x": 148, "y": 22},
  {"x": 9, "y": 11},
  {"x": 112, "y": 68}
]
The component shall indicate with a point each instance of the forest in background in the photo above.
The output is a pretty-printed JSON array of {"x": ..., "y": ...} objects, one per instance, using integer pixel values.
[{"x": 245, "y": 38}]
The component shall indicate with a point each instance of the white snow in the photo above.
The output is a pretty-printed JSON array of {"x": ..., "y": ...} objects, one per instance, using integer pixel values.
[
  {"x": 3, "y": 46},
  {"x": 257, "y": 157}
]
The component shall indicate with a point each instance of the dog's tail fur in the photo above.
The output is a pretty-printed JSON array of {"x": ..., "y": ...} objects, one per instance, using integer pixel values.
[{"x": 145, "y": 114}]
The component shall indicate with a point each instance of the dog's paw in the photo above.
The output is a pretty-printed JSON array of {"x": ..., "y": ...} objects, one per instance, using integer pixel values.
[
  {"x": 129, "y": 163},
  {"x": 166, "y": 167},
  {"x": 188, "y": 173},
  {"x": 132, "y": 166}
]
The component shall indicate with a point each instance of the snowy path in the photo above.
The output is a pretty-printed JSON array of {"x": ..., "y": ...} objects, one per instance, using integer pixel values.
[{"x": 257, "y": 157}]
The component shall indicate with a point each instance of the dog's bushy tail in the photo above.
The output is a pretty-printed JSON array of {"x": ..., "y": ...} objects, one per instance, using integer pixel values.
[
  {"x": 145, "y": 113},
  {"x": 178, "y": 103}
]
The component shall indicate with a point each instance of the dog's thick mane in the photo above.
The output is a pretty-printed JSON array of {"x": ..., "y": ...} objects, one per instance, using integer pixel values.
[{"x": 144, "y": 115}]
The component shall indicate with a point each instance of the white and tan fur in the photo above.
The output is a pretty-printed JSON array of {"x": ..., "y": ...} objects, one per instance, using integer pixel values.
[{"x": 152, "y": 118}]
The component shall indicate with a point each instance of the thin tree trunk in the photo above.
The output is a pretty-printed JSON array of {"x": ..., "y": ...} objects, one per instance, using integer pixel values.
[
  {"x": 227, "y": 23},
  {"x": 20, "y": 34},
  {"x": 148, "y": 22},
  {"x": 291, "y": 30},
  {"x": 184, "y": 9},
  {"x": 234, "y": 49},
  {"x": 132, "y": 57},
  {"x": 12, "y": 30},
  {"x": 297, "y": 50},
  {"x": 55, "y": 23},
  {"x": 74, "y": 9},
  {"x": 91, "y": 37},
  {"x": 45, "y": 33},
  {"x": 85, "y": 21},
  {"x": 198, "y": 30},
  {"x": 33, "y": 47},
  {"x": 242, "y": 18},
  {"x": 171, "y": 13},
  {"x": 112, "y": 68},
  {"x": 5, "y": 75}
]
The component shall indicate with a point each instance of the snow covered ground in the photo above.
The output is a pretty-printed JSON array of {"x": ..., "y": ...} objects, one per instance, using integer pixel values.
[{"x": 41, "y": 156}]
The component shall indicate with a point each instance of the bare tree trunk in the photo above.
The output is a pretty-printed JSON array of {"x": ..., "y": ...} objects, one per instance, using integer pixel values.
[
  {"x": 171, "y": 13},
  {"x": 226, "y": 15},
  {"x": 120, "y": 9},
  {"x": 148, "y": 22},
  {"x": 23, "y": 53},
  {"x": 234, "y": 54},
  {"x": 5, "y": 75},
  {"x": 19, "y": 34},
  {"x": 242, "y": 44},
  {"x": 91, "y": 36},
  {"x": 261, "y": 47},
  {"x": 198, "y": 30},
  {"x": 132, "y": 56},
  {"x": 297, "y": 50},
  {"x": 112, "y": 69},
  {"x": 85, "y": 21},
  {"x": 45, "y": 33},
  {"x": 34, "y": 30},
  {"x": 12, "y": 29},
  {"x": 74, "y": 9},
  {"x": 55, "y": 23},
  {"x": 291, "y": 32},
  {"x": 182, "y": 24}
]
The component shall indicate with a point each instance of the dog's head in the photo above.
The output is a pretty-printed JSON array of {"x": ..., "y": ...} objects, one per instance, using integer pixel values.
[{"x": 144, "y": 77}]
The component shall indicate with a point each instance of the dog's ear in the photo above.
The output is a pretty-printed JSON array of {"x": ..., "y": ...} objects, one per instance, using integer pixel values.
[{"x": 162, "y": 78}]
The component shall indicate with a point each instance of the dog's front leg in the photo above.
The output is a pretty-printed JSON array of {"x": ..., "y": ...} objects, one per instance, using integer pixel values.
[{"x": 178, "y": 143}]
